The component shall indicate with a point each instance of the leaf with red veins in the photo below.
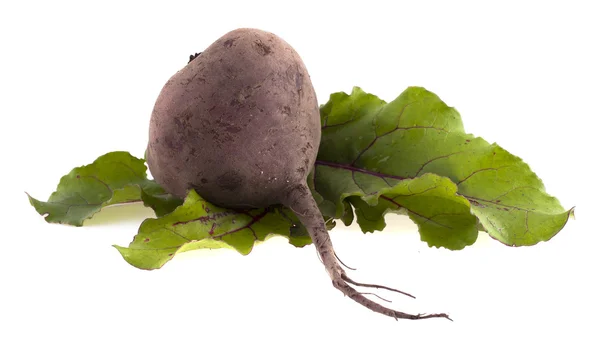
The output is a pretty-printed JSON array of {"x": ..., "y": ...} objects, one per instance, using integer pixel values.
[
  {"x": 113, "y": 178},
  {"x": 199, "y": 224},
  {"x": 443, "y": 217},
  {"x": 370, "y": 147}
]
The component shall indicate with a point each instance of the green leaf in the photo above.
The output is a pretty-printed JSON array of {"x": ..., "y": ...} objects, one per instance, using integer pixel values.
[
  {"x": 369, "y": 147},
  {"x": 443, "y": 217},
  {"x": 156, "y": 198},
  {"x": 113, "y": 178},
  {"x": 199, "y": 224}
]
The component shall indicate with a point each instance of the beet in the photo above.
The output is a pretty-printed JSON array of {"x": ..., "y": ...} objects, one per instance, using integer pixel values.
[{"x": 240, "y": 125}]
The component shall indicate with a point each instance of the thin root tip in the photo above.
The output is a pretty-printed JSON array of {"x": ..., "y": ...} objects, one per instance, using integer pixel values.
[{"x": 437, "y": 315}]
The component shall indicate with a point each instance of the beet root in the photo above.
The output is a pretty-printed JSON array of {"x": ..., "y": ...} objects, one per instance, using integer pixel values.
[{"x": 240, "y": 125}]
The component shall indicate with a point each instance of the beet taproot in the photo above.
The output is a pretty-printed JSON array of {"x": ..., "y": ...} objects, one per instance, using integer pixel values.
[{"x": 240, "y": 125}]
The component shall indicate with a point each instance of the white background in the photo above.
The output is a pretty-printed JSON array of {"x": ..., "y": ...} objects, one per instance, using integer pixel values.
[{"x": 79, "y": 80}]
